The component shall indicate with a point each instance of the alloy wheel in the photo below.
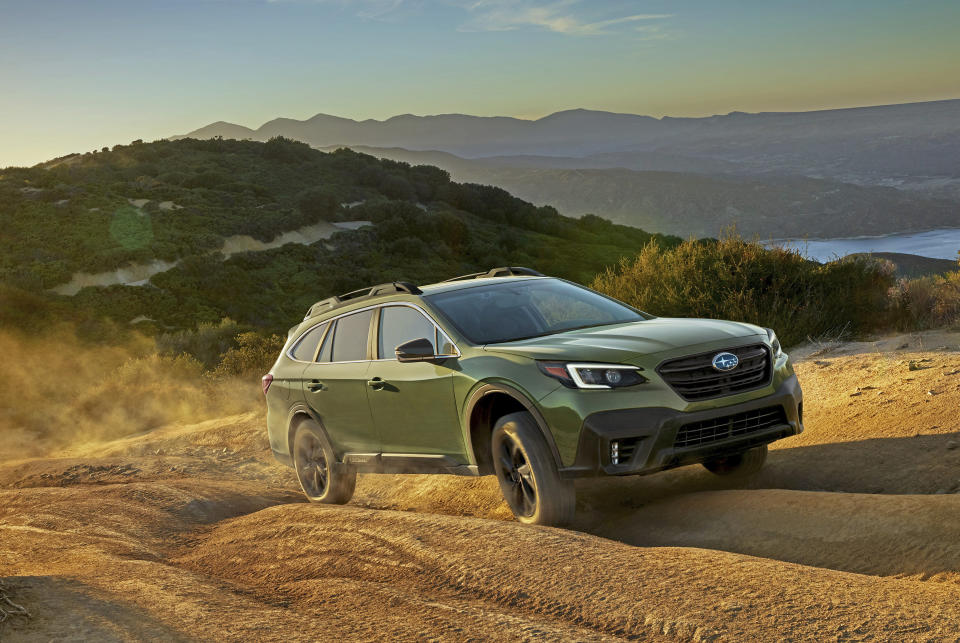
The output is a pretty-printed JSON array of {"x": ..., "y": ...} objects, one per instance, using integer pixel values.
[
  {"x": 312, "y": 467},
  {"x": 515, "y": 471}
]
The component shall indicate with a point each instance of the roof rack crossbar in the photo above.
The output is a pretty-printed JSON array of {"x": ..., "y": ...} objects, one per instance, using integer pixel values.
[
  {"x": 363, "y": 293},
  {"x": 503, "y": 271}
]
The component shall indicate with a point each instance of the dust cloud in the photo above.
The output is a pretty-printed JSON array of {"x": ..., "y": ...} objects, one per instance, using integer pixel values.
[{"x": 59, "y": 391}]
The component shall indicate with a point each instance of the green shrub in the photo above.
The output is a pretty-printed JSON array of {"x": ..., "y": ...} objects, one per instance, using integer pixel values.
[
  {"x": 926, "y": 302},
  {"x": 253, "y": 355},
  {"x": 207, "y": 344},
  {"x": 739, "y": 280}
]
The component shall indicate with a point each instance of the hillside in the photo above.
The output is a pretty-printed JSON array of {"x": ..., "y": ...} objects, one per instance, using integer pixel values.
[
  {"x": 168, "y": 222},
  {"x": 912, "y": 266},
  {"x": 907, "y": 145},
  {"x": 192, "y": 532},
  {"x": 694, "y": 204}
]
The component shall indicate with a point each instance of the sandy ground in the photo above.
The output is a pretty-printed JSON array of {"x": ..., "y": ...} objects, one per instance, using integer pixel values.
[{"x": 852, "y": 532}]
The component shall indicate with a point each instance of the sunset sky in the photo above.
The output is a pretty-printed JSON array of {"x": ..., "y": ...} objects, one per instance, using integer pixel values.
[{"x": 80, "y": 75}]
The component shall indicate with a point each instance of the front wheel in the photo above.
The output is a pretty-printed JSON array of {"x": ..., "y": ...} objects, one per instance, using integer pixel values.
[
  {"x": 528, "y": 474},
  {"x": 322, "y": 478},
  {"x": 740, "y": 465}
]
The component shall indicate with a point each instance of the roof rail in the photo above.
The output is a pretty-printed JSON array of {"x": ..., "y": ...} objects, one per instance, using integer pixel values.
[
  {"x": 390, "y": 288},
  {"x": 504, "y": 271}
]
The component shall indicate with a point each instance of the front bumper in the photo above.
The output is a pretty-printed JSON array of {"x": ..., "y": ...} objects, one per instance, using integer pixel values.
[{"x": 650, "y": 434}]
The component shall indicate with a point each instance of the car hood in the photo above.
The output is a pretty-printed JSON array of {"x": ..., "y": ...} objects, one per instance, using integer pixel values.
[{"x": 623, "y": 341}]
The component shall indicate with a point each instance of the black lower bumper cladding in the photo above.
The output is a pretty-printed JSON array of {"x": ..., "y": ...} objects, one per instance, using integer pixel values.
[{"x": 661, "y": 438}]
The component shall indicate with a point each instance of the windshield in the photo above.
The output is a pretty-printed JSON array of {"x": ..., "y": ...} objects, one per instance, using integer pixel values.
[{"x": 531, "y": 308}]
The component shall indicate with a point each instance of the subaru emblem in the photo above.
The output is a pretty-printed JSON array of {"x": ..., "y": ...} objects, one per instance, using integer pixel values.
[{"x": 725, "y": 361}]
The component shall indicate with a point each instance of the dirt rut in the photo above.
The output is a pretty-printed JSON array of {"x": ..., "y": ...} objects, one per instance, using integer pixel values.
[{"x": 194, "y": 533}]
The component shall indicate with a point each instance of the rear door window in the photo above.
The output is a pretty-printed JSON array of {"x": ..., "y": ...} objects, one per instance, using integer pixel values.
[
  {"x": 350, "y": 338},
  {"x": 306, "y": 347},
  {"x": 401, "y": 324}
]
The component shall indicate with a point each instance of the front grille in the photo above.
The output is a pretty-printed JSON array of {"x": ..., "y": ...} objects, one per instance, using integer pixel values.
[
  {"x": 695, "y": 378},
  {"x": 729, "y": 426}
]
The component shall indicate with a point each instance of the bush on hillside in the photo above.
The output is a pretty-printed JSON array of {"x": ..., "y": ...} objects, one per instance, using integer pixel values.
[
  {"x": 253, "y": 355},
  {"x": 206, "y": 344},
  {"x": 743, "y": 281},
  {"x": 926, "y": 302}
]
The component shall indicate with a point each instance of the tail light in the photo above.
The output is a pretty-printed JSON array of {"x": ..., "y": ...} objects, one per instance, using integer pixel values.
[{"x": 265, "y": 382}]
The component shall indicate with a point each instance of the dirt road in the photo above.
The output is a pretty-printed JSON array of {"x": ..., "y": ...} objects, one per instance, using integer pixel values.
[{"x": 852, "y": 532}]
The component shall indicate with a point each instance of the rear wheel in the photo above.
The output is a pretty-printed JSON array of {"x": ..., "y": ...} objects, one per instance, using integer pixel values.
[
  {"x": 322, "y": 478},
  {"x": 528, "y": 474},
  {"x": 740, "y": 465}
]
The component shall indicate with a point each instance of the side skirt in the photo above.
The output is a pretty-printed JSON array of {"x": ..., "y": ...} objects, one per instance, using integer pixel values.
[{"x": 407, "y": 463}]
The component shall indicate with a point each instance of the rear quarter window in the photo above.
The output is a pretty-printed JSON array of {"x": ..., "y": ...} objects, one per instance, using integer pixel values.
[{"x": 306, "y": 346}]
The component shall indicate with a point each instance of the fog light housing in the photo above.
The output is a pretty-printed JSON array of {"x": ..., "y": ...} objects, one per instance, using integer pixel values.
[{"x": 614, "y": 452}]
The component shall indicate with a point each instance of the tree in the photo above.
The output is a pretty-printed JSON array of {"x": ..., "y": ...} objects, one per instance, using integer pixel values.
[{"x": 317, "y": 203}]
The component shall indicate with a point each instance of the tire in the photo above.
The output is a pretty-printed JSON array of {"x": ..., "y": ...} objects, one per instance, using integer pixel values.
[
  {"x": 740, "y": 465},
  {"x": 321, "y": 477},
  {"x": 528, "y": 474}
]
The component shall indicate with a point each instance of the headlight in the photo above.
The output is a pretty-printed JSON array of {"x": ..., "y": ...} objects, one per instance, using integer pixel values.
[
  {"x": 774, "y": 343},
  {"x": 576, "y": 375}
]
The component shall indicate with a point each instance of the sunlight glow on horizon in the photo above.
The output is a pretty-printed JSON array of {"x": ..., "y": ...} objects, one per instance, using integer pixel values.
[{"x": 110, "y": 71}]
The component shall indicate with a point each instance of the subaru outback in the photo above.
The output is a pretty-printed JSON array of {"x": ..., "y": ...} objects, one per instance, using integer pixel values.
[{"x": 533, "y": 379}]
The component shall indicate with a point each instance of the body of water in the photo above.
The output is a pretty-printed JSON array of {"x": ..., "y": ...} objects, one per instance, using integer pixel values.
[{"x": 939, "y": 244}]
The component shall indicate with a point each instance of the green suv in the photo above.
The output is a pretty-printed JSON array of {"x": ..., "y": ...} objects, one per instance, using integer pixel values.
[{"x": 533, "y": 379}]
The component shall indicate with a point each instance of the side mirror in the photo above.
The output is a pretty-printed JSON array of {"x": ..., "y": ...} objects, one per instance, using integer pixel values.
[{"x": 416, "y": 350}]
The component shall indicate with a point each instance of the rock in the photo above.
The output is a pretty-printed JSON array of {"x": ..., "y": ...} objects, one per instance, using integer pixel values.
[
  {"x": 931, "y": 393},
  {"x": 855, "y": 394},
  {"x": 952, "y": 444}
]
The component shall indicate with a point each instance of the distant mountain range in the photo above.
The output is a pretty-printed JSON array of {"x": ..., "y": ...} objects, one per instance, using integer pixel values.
[
  {"x": 822, "y": 173},
  {"x": 699, "y": 205}
]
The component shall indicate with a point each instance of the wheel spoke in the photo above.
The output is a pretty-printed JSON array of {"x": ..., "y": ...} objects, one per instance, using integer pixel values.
[
  {"x": 529, "y": 499},
  {"x": 518, "y": 499},
  {"x": 322, "y": 469},
  {"x": 306, "y": 469},
  {"x": 516, "y": 454},
  {"x": 312, "y": 466}
]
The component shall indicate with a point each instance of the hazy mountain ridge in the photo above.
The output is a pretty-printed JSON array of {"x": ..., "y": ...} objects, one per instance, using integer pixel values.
[
  {"x": 693, "y": 204},
  {"x": 843, "y": 172},
  {"x": 865, "y": 143}
]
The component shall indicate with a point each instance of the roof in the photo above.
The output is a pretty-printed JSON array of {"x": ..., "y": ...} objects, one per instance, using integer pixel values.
[
  {"x": 494, "y": 275},
  {"x": 447, "y": 286}
]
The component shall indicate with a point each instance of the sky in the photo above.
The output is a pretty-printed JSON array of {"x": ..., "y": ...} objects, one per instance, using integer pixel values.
[{"x": 77, "y": 75}]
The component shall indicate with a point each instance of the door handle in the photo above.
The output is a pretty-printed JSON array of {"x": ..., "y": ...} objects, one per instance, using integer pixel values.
[
  {"x": 376, "y": 384},
  {"x": 316, "y": 386}
]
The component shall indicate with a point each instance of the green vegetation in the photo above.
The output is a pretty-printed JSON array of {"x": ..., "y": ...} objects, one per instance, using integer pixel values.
[
  {"x": 927, "y": 302},
  {"x": 80, "y": 214},
  {"x": 178, "y": 201},
  {"x": 735, "y": 279}
]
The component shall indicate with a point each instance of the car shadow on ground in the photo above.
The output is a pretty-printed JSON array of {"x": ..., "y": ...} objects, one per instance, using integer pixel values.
[
  {"x": 884, "y": 506},
  {"x": 65, "y": 609}
]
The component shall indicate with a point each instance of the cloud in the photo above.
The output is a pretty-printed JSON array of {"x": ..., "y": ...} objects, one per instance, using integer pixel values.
[
  {"x": 568, "y": 17},
  {"x": 561, "y": 16}
]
